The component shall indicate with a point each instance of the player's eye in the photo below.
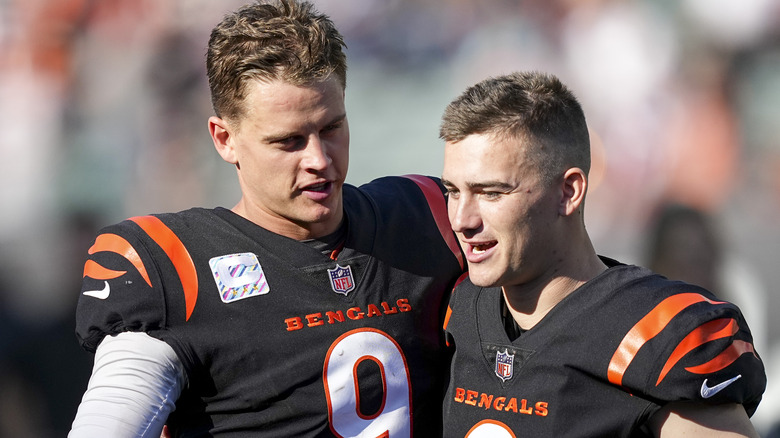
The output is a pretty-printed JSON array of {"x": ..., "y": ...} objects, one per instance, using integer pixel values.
[
  {"x": 333, "y": 126},
  {"x": 491, "y": 196},
  {"x": 291, "y": 143}
]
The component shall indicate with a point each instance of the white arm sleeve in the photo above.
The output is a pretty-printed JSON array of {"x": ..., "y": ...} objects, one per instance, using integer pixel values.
[{"x": 134, "y": 385}]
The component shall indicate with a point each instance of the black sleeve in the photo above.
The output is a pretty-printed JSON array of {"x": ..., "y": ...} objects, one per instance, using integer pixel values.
[
  {"x": 701, "y": 350},
  {"x": 122, "y": 288}
]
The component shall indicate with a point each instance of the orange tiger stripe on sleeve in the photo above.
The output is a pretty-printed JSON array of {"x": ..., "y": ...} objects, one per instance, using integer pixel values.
[
  {"x": 710, "y": 331},
  {"x": 93, "y": 270},
  {"x": 725, "y": 358},
  {"x": 647, "y": 328},
  {"x": 177, "y": 253},
  {"x": 117, "y": 244}
]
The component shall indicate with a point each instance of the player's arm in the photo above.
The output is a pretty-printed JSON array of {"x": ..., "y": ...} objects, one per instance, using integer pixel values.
[
  {"x": 686, "y": 419},
  {"x": 135, "y": 382}
]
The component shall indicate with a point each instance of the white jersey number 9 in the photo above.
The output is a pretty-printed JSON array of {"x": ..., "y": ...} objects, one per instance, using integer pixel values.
[{"x": 347, "y": 352}]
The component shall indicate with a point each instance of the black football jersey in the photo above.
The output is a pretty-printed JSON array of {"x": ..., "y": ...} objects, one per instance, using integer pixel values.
[
  {"x": 600, "y": 363},
  {"x": 278, "y": 339}
]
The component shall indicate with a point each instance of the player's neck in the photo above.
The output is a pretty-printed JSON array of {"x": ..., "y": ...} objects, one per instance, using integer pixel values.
[
  {"x": 285, "y": 227},
  {"x": 529, "y": 303},
  {"x": 529, "y": 306}
]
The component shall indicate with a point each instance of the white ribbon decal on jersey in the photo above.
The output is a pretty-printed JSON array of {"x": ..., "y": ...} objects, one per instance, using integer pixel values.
[
  {"x": 238, "y": 276},
  {"x": 394, "y": 420}
]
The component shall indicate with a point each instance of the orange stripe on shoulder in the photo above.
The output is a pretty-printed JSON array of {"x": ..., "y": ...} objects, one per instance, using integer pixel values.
[
  {"x": 647, "y": 328},
  {"x": 438, "y": 208},
  {"x": 709, "y": 331},
  {"x": 725, "y": 358},
  {"x": 177, "y": 253},
  {"x": 93, "y": 270},
  {"x": 117, "y": 244}
]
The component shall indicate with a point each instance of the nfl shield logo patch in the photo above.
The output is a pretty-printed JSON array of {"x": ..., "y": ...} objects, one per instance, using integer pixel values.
[
  {"x": 504, "y": 365},
  {"x": 341, "y": 279}
]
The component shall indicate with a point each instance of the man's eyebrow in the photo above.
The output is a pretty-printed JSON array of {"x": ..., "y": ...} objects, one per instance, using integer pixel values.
[
  {"x": 273, "y": 138},
  {"x": 337, "y": 119},
  {"x": 481, "y": 185}
]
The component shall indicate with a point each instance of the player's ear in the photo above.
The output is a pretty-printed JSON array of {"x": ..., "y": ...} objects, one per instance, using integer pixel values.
[
  {"x": 222, "y": 136},
  {"x": 575, "y": 184}
]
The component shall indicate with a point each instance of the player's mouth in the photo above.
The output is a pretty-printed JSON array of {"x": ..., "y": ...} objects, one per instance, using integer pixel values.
[
  {"x": 479, "y": 251},
  {"x": 318, "y": 191}
]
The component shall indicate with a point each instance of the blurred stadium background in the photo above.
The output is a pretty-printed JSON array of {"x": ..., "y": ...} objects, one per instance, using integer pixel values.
[{"x": 104, "y": 106}]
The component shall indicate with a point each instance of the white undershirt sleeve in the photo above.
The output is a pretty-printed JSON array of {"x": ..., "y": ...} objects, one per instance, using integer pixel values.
[{"x": 135, "y": 382}]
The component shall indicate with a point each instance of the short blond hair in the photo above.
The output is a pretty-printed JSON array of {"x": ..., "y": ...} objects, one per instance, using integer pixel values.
[{"x": 271, "y": 40}]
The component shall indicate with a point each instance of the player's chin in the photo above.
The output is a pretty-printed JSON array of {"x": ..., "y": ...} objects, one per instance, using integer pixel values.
[
  {"x": 482, "y": 277},
  {"x": 324, "y": 211}
]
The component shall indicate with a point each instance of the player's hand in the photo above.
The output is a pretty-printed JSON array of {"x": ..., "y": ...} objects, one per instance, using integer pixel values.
[{"x": 165, "y": 433}]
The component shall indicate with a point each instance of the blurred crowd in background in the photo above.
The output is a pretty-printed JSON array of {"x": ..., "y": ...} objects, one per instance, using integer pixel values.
[{"x": 104, "y": 104}]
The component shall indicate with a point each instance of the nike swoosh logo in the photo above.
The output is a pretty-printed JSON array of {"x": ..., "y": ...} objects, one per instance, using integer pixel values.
[
  {"x": 709, "y": 391},
  {"x": 99, "y": 294}
]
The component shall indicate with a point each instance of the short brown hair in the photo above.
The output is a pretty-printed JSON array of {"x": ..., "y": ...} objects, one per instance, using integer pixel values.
[
  {"x": 271, "y": 40},
  {"x": 532, "y": 106}
]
